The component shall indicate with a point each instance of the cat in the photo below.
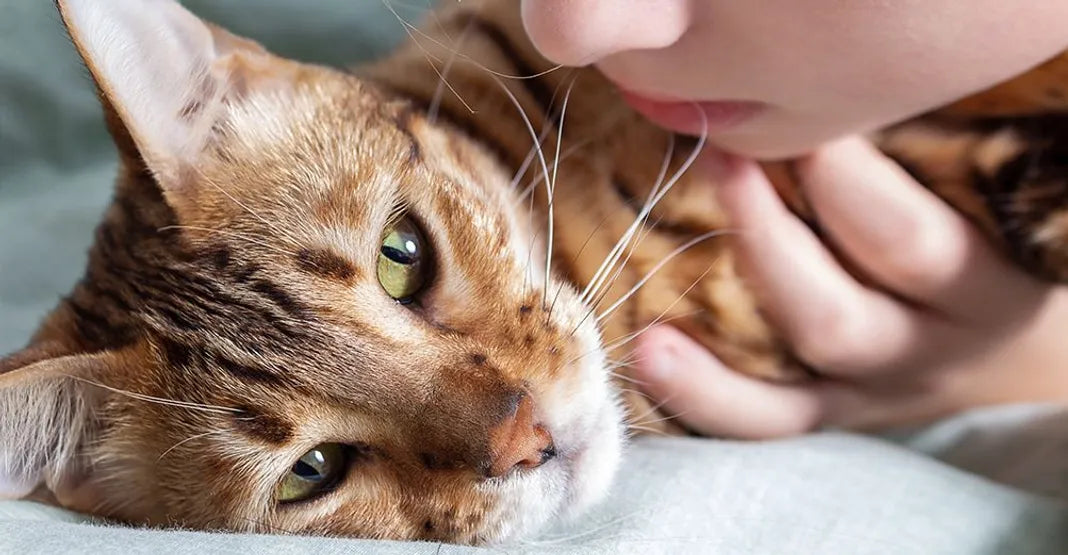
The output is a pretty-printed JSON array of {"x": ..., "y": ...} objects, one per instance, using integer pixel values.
[{"x": 342, "y": 302}]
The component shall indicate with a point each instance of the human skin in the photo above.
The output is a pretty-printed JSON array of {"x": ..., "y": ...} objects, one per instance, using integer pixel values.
[
  {"x": 818, "y": 69},
  {"x": 943, "y": 322}
]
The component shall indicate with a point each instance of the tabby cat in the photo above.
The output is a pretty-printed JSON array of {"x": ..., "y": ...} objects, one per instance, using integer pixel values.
[{"x": 321, "y": 301}]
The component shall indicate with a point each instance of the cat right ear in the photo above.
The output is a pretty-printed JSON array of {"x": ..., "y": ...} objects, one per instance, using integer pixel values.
[{"x": 165, "y": 77}]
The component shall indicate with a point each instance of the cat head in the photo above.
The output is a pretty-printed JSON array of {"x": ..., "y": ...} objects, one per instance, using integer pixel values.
[{"x": 308, "y": 309}]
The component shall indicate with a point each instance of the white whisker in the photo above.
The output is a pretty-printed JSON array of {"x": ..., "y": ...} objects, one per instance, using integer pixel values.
[
  {"x": 684, "y": 247},
  {"x": 159, "y": 400},
  {"x": 613, "y": 256},
  {"x": 187, "y": 440},
  {"x": 411, "y": 29}
]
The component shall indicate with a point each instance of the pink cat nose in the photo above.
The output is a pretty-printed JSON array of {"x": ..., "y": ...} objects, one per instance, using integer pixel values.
[{"x": 519, "y": 442}]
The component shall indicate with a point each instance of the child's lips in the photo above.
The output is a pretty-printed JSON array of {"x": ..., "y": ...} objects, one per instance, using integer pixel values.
[{"x": 694, "y": 117}]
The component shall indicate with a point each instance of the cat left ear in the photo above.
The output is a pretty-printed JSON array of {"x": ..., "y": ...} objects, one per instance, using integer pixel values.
[
  {"x": 47, "y": 413},
  {"x": 165, "y": 76}
]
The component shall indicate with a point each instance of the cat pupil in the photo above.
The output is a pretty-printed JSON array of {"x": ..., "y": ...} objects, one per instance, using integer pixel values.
[
  {"x": 399, "y": 256},
  {"x": 307, "y": 471}
]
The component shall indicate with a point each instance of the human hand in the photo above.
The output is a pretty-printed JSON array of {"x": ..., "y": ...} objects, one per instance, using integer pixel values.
[{"x": 940, "y": 323}]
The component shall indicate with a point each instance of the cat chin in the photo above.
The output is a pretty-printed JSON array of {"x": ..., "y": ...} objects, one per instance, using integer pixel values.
[{"x": 592, "y": 469}]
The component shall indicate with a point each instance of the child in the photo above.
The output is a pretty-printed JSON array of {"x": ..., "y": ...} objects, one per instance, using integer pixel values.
[{"x": 944, "y": 322}]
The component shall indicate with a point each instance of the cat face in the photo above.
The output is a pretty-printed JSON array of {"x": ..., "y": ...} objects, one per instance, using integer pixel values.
[{"x": 309, "y": 310}]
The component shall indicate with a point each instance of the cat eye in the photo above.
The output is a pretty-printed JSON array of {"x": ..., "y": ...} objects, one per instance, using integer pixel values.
[
  {"x": 314, "y": 473},
  {"x": 401, "y": 266}
]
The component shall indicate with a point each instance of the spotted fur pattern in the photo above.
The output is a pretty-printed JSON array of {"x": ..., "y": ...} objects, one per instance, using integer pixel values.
[{"x": 230, "y": 319}]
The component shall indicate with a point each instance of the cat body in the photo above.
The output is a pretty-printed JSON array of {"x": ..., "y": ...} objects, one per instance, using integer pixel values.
[{"x": 363, "y": 303}]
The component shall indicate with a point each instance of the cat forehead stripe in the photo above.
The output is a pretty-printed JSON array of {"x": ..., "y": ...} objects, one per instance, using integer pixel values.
[{"x": 326, "y": 263}]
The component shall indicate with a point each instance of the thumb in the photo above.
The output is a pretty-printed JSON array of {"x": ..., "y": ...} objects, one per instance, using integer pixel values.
[{"x": 711, "y": 399}]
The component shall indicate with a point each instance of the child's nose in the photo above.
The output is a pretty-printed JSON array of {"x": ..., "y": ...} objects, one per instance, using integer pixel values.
[{"x": 581, "y": 32}]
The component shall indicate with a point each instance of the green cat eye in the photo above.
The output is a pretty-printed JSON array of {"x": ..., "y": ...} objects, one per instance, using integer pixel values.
[
  {"x": 315, "y": 472},
  {"x": 401, "y": 265}
]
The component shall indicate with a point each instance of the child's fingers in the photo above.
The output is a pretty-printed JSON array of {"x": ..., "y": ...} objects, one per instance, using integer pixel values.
[
  {"x": 902, "y": 235},
  {"x": 831, "y": 321},
  {"x": 711, "y": 399}
]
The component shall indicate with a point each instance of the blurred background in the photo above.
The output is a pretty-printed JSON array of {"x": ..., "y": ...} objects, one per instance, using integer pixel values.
[{"x": 57, "y": 163}]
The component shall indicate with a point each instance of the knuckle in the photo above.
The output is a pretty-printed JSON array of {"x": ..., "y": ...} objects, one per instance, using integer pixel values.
[
  {"x": 831, "y": 338},
  {"x": 926, "y": 252}
]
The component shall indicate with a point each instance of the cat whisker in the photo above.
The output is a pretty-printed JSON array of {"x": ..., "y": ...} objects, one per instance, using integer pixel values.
[
  {"x": 616, "y": 273},
  {"x": 525, "y": 166},
  {"x": 214, "y": 409},
  {"x": 574, "y": 259},
  {"x": 646, "y": 429},
  {"x": 585, "y": 533},
  {"x": 411, "y": 29},
  {"x": 623, "y": 341},
  {"x": 187, "y": 440},
  {"x": 226, "y": 233},
  {"x": 651, "y": 410},
  {"x": 541, "y": 160},
  {"x": 665, "y": 418},
  {"x": 620, "y": 342},
  {"x": 552, "y": 195},
  {"x": 626, "y": 378},
  {"x": 530, "y": 256},
  {"x": 281, "y": 233},
  {"x": 611, "y": 258},
  {"x": 655, "y": 195},
  {"x": 430, "y": 58},
  {"x": 681, "y": 249},
  {"x": 435, "y": 102},
  {"x": 550, "y": 186}
]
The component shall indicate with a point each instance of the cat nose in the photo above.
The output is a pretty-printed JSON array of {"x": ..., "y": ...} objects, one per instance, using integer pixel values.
[{"x": 519, "y": 442}]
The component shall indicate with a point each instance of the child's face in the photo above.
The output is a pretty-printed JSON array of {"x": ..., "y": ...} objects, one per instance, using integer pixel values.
[{"x": 777, "y": 77}]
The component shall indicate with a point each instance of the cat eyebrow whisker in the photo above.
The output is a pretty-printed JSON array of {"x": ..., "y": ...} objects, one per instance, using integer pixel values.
[
  {"x": 413, "y": 29},
  {"x": 282, "y": 234},
  {"x": 226, "y": 233},
  {"x": 435, "y": 101}
]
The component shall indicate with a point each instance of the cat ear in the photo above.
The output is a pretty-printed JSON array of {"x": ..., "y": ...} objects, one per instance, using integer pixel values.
[
  {"x": 164, "y": 76},
  {"x": 47, "y": 412}
]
